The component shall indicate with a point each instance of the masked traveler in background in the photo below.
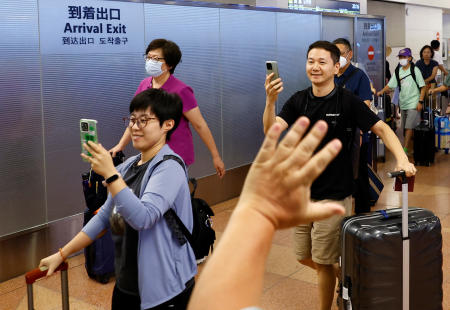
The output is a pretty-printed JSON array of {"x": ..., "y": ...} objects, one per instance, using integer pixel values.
[
  {"x": 153, "y": 269},
  {"x": 161, "y": 58},
  {"x": 412, "y": 89},
  {"x": 356, "y": 81},
  {"x": 317, "y": 243}
]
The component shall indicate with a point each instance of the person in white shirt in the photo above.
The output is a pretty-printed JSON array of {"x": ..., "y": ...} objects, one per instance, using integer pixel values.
[{"x": 435, "y": 44}]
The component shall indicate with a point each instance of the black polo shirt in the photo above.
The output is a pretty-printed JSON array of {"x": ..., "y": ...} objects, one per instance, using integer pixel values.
[{"x": 343, "y": 112}]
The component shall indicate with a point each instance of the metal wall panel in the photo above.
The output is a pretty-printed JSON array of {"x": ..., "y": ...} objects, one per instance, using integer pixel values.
[
  {"x": 96, "y": 86},
  {"x": 248, "y": 39},
  {"x": 295, "y": 32},
  {"x": 195, "y": 30},
  {"x": 22, "y": 188},
  {"x": 334, "y": 27}
]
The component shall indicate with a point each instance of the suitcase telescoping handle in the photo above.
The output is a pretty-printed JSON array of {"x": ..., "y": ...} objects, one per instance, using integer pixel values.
[
  {"x": 37, "y": 273},
  {"x": 405, "y": 271}
]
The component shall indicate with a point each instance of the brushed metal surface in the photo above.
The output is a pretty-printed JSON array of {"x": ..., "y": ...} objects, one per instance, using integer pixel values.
[
  {"x": 334, "y": 27},
  {"x": 196, "y": 33},
  {"x": 22, "y": 252},
  {"x": 93, "y": 86},
  {"x": 22, "y": 187},
  {"x": 248, "y": 39},
  {"x": 294, "y": 35}
]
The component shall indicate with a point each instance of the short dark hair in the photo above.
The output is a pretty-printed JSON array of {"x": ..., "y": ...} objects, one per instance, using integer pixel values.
[
  {"x": 164, "y": 105},
  {"x": 435, "y": 44},
  {"x": 424, "y": 48},
  {"x": 326, "y": 45},
  {"x": 344, "y": 42},
  {"x": 171, "y": 52}
]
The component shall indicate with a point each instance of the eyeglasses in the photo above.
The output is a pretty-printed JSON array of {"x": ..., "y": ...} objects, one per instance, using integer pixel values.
[
  {"x": 141, "y": 121},
  {"x": 147, "y": 57}
]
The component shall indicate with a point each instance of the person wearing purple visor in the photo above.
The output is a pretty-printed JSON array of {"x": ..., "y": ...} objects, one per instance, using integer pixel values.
[{"x": 411, "y": 84}]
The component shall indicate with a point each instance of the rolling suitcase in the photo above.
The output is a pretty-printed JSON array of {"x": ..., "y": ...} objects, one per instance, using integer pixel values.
[
  {"x": 35, "y": 274},
  {"x": 99, "y": 256},
  {"x": 442, "y": 128},
  {"x": 392, "y": 259},
  {"x": 424, "y": 148}
]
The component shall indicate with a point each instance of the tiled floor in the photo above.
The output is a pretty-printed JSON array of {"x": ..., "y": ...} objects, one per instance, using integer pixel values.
[{"x": 288, "y": 285}]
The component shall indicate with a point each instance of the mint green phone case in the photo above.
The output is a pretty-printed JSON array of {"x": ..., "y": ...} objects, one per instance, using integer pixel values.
[{"x": 88, "y": 132}]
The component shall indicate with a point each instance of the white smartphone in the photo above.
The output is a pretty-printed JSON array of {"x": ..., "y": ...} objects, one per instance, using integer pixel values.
[
  {"x": 272, "y": 67},
  {"x": 88, "y": 132}
]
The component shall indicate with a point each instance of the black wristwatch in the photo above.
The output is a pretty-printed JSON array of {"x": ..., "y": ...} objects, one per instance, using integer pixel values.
[
  {"x": 112, "y": 178},
  {"x": 421, "y": 101}
]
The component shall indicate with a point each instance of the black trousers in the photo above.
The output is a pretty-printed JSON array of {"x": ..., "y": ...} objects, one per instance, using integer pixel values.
[
  {"x": 362, "y": 204},
  {"x": 121, "y": 300}
]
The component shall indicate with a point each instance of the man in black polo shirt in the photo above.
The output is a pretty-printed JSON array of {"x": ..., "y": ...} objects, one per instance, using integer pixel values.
[{"x": 317, "y": 244}]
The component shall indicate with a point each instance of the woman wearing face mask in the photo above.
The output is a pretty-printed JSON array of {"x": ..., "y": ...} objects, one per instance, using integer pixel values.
[
  {"x": 161, "y": 58},
  {"x": 411, "y": 84}
]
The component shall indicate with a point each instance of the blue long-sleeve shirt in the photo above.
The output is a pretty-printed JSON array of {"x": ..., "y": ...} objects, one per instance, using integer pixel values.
[{"x": 163, "y": 265}]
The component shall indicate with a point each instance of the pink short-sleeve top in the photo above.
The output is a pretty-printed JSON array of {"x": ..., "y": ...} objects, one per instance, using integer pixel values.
[{"x": 181, "y": 139}]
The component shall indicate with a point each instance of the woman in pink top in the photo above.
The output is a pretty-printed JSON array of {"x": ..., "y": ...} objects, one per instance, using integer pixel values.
[{"x": 162, "y": 56}]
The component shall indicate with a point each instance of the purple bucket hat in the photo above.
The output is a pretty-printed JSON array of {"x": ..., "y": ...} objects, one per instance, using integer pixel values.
[{"x": 405, "y": 52}]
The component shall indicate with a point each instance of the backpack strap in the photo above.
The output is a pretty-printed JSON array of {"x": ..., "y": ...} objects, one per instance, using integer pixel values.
[
  {"x": 173, "y": 220},
  {"x": 175, "y": 224},
  {"x": 413, "y": 74},
  {"x": 397, "y": 76},
  {"x": 342, "y": 84}
]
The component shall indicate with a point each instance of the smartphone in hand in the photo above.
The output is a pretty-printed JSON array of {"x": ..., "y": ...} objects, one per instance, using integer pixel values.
[
  {"x": 88, "y": 132},
  {"x": 272, "y": 67}
]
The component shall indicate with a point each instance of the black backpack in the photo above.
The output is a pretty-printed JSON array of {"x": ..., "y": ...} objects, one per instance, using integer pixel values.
[
  {"x": 203, "y": 235},
  {"x": 413, "y": 74}
]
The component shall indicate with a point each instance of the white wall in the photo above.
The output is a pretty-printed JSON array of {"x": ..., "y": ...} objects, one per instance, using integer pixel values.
[
  {"x": 421, "y": 25},
  {"x": 434, "y": 3},
  {"x": 395, "y": 20},
  {"x": 446, "y": 33}
]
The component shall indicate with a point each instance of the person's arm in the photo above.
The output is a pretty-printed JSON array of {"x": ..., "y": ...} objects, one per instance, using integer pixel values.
[
  {"x": 438, "y": 89},
  {"x": 423, "y": 89},
  {"x": 159, "y": 193},
  {"x": 273, "y": 89},
  {"x": 195, "y": 117},
  {"x": 391, "y": 141},
  {"x": 276, "y": 195},
  {"x": 79, "y": 242},
  {"x": 432, "y": 76},
  {"x": 442, "y": 68},
  {"x": 423, "y": 92},
  {"x": 385, "y": 89},
  {"x": 126, "y": 138}
]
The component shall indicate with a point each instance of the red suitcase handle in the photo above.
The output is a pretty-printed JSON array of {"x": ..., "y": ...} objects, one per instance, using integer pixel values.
[{"x": 37, "y": 273}]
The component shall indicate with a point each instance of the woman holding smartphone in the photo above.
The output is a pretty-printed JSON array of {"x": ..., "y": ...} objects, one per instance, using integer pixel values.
[
  {"x": 154, "y": 270},
  {"x": 161, "y": 58}
]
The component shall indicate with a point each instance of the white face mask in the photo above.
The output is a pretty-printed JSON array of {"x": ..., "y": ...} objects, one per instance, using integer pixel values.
[
  {"x": 403, "y": 62},
  {"x": 153, "y": 67},
  {"x": 342, "y": 61}
]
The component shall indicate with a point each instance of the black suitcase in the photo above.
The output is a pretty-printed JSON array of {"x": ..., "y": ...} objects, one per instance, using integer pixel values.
[
  {"x": 99, "y": 256},
  {"x": 384, "y": 249},
  {"x": 424, "y": 148}
]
